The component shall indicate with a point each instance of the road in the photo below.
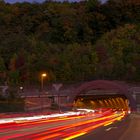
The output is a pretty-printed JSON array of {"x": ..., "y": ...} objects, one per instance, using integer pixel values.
[
  {"x": 126, "y": 129},
  {"x": 57, "y": 128}
]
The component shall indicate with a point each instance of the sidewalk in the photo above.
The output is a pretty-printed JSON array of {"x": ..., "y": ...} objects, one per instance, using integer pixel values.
[{"x": 133, "y": 131}]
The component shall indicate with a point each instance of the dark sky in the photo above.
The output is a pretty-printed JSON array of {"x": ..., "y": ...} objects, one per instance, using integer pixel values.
[{"x": 12, "y": 1}]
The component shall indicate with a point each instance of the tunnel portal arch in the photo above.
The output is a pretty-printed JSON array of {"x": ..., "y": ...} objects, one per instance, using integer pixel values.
[{"x": 107, "y": 85}]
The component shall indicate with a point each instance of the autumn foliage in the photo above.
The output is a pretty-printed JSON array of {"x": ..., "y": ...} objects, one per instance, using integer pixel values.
[{"x": 70, "y": 41}]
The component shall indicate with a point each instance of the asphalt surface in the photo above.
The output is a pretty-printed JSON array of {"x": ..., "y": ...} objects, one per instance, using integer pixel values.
[
  {"x": 126, "y": 129},
  {"x": 133, "y": 131}
]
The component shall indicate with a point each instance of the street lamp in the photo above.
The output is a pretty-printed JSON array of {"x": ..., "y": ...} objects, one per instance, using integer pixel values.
[{"x": 43, "y": 75}]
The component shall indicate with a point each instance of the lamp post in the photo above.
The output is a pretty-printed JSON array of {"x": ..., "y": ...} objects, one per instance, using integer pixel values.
[{"x": 43, "y": 75}]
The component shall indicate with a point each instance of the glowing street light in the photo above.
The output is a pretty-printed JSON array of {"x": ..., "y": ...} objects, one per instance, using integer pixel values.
[{"x": 43, "y": 75}]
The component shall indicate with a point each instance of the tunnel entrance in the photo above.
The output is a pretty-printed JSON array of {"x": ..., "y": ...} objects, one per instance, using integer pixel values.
[
  {"x": 114, "y": 101},
  {"x": 103, "y": 93}
]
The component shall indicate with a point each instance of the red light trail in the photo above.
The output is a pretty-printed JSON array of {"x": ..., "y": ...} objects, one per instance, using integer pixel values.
[{"x": 64, "y": 127}]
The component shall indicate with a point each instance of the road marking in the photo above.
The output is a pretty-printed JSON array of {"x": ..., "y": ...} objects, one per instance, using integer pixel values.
[{"x": 108, "y": 129}]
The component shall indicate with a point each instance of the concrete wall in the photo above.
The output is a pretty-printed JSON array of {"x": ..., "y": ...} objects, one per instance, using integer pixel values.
[{"x": 36, "y": 102}]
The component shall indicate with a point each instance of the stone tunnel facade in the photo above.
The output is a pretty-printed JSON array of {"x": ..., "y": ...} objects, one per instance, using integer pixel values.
[{"x": 122, "y": 91}]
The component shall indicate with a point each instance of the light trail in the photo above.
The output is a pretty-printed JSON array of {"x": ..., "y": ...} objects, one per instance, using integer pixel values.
[
  {"x": 28, "y": 124},
  {"x": 86, "y": 130},
  {"x": 39, "y": 117},
  {"x": 62, "y": 127},
  {"x": 77, "y": 125},
  {"x": 75, "y": 136}
]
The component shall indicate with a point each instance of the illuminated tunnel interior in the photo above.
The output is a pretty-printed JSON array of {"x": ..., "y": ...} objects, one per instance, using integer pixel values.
[
  {"x": 104, "y": 93},
  {"x": 114, "y": 101}
]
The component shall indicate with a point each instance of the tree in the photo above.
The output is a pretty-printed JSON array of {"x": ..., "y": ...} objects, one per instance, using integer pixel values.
[
  {"x": 3, "y": 71},
  {"x": 122, "y": 51},
  {"x": 13, "y": 73}
]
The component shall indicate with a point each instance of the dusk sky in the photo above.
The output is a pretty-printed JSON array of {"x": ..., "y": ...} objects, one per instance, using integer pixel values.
[{"x": 12, "y": 1}]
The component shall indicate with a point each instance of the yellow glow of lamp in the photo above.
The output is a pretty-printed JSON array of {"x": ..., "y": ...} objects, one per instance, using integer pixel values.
[
  {"x": 42, "y": 80},
  {"x": 44, "y": 75}
]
